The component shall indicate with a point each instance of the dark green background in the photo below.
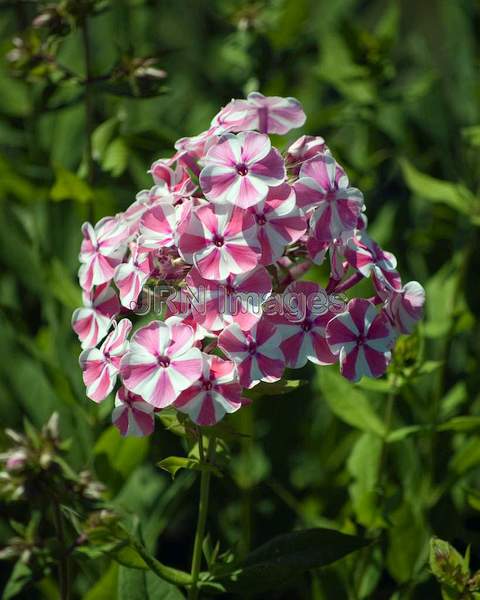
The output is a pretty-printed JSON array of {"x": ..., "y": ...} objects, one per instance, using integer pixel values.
[{"x": 393, "y": 87}]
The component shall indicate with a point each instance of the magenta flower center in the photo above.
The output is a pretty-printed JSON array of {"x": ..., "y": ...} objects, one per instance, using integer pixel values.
[
  {"x": 207, "y": 385},
  {"x": 307, "y": 325},
  {"x": 331, "y": 196},
  {"x": 261, "y": 220},
  {"x": 163, "y": 361},
  {"x": 218, "y": 241},
  {"x": 361, "y": 340},
  {"x": 242, "y": 169}
]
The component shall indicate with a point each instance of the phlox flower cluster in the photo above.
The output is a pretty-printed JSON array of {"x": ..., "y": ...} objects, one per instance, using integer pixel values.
[{"x": 232, "y": 216}]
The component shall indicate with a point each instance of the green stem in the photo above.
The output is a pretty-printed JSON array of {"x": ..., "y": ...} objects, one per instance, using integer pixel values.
[
  {"x": 63, "y": 563},
  {"x": 163, "y": 571},
  {"x": 365, "y": 558},
  {"x": 202, "y": 513}
]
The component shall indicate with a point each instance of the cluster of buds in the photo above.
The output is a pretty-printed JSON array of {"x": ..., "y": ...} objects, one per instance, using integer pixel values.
[
  {"x": 33, "y": 466},
  {"x": 229, "y": 227}
]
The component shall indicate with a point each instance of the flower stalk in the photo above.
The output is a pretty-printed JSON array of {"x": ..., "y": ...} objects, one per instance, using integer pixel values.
[{"x": 207, "y": 456}]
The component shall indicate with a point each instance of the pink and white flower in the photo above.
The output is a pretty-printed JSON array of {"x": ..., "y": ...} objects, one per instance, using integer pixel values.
[
  {"x": 362, "y": 337},
  {"x": 366, "y": 256},
  {"x": 176, "y": 181},
  {"x": 220, "y": 241},
  {"x": 279, "y": 221},
  {"x": 102, "y": 249},
  {"x": 92, "y": 321},
  {"x": 130, "y": 277},
  {"x": 301, "y": 315},
  {"x": 275, "y": 114},
  {"x": 267, "y": 114},
  {"x": 216, "y": 392},
  {"x": 305, "y": 148},
  {"x": 324, "y": 187},
  {"x": 158, "y": 226},
  {"x": 237, "y": 115},
  {"x": 256, "y": 352},
  {"x": 405, "y": 307},
  {"x": 132, "y": 416},
  {"x": 238, "y": 299},
  {"x": 100, "y": 366},
  {"x": 239, "y": 169},
  {"x": 161, "y": 362}
]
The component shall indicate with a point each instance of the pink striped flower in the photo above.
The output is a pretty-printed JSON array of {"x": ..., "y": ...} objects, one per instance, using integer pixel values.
[
  {"x": 317, "y": 250},
  {"x": 238, "y": 299},
  {"x": 132, "y": 416},
  {"x": 362, "y": 337},
  {"x": 267, "y": 114},
  {"x": 161, "y": 362},
  {"x": 239, "y": 169},
  {"x": 157, "y": 227},
  {"x": 216, "y": 392},
  {"x": 144, "y": 200},
  {"x": 324, "y": 187},
  {"x": 405, "y": 307},
  {"x": 130, "y": 277},
  {"x": 197, "y": 146},
  {"x": 366, "y": 256},
  {"x": 220, "y": 241},
  {"x": 102, "y": 249},
  {"x": 305, "y": 148},
  {"x": 301, "y": 315},
  {"x": 92, "y": 321},
  {"x": 256, "y": 352},
  {"x": 276, "y": 114},
  {"x": 176, "y": 181},
  {"x": 279, "y": 221},
  {"x": 237, "y": 115},
  {"x": 100, "y": 366},
  {"x": 180, "y": 305}
]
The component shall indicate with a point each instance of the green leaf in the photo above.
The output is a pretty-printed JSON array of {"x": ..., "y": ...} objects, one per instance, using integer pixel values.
[
  {"x": 449, "y": 567},
  {"x": 274, "y": 389},
  {"x": 142, "y": 585},
  {"x": 408, "y": 538},
  {"x": 116, "y": 157},
  {"x": 117, "y": 457},
  {"x": 102, "y": 136},
  {"x": 20, "y": 577},
  {"x": 173, "y": 464},
  {"x": 403, "y": 432},
  {"x": 461, "y": 423},
  {"x": 363, "y": 464},
  {"x": 69, "y": 186},
  {"x": 456, "y": 196},
  {"x": 106, "y": 587},
  {"x": 250, "y": 467},
  {"x": 283, "y": 558},
  {"x": 348, "y": 403}
]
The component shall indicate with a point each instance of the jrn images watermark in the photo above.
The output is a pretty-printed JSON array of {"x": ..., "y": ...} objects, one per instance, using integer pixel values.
[{"x": 294, "y": 306}]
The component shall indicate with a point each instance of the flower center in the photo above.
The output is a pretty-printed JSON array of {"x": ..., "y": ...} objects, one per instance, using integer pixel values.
[
  {"x": 360, "y": 340},
  {"x": 218, "y": 241},
  {"x": 207, "y": 385},
  {"x": 331, "y": 196},
  {"x": 242, "y": 169},
  {"x": 261, "y": 220},
  {"x": 306, "y": 325},
  {"x": 163, "y": 361}
]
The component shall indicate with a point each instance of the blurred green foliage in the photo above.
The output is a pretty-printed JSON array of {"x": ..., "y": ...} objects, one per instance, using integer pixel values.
[{"x": 393, "y": 86}]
